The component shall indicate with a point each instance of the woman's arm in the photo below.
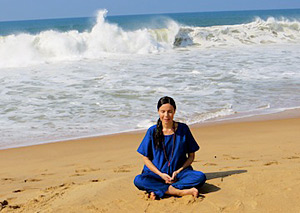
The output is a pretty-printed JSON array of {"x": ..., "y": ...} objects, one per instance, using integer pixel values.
[
  {"x": 188, "y": 162},
  {"x": 153, "y": 168}
]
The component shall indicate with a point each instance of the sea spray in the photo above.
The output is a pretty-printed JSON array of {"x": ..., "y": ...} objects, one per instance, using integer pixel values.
[
  {"x": 19, "y": 50},
  {"x": 104, "y": 38},
  {"x": 270, "y": 31}
]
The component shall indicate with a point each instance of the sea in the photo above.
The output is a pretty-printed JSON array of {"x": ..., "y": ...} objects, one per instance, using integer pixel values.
[{"x": 79, "y": 77}]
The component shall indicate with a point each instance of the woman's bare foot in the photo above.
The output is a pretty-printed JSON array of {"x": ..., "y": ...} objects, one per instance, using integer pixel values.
[
  {"x": 192, "y": 191},
  {"x": 152, "y": 196}
]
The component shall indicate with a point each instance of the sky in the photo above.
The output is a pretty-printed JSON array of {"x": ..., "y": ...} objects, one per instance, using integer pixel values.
[{"x": 44, "y": 9}]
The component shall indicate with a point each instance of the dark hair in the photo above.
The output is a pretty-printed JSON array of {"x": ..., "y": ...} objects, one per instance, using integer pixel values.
[{"x": 159, "y": 135}]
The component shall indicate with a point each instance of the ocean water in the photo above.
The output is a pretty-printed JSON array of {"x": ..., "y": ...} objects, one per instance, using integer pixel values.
[{"x": 69, "y": 78}]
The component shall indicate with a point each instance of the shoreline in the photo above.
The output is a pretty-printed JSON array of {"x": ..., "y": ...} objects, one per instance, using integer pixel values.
[
  {"x": 234, "y": 118},
  {"x": 245, "y": 117}
]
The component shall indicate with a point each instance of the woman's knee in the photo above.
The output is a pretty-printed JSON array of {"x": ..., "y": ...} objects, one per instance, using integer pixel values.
[
  {"x": 198, "y": 177},
  {"x": 137, "y": 181},
  {"x": 201, "y": 178}
]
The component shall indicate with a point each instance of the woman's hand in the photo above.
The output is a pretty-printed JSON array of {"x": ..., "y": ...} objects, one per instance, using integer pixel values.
[
  {"x": 188, "y": 162},
  {"x": 173, "y": 179},
  {"x": 166, "y": 178}
]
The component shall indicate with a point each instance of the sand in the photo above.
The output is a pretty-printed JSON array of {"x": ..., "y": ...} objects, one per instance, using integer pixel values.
[{"x": 252, "y": 166}]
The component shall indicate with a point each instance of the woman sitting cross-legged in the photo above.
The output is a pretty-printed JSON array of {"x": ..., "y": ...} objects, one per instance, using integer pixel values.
[{"x": 168, "y": 150}]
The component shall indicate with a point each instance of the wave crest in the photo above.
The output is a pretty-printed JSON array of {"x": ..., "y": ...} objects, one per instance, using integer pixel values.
[
  {"x": 26, "y": 49},
  {"x": 107, "y": 38},
  {"x": 257, "y": 32}
]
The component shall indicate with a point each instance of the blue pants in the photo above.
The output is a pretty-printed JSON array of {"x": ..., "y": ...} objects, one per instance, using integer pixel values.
[{"x": 186, "y": 179}]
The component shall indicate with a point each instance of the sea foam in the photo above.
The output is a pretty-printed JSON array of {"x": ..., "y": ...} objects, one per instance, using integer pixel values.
[
  {"x": 48, "y": 46},
  {"x": 256, "y": 32},
  {"x": 107, "y": 38}
]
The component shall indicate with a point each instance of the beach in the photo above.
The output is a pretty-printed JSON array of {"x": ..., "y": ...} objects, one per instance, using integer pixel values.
[
  {"x": 252, "y": 165},
  {"x": 78, "y": 94}
]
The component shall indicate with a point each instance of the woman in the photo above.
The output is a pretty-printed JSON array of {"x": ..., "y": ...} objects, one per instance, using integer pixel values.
[{"x": 168, "y": 150}]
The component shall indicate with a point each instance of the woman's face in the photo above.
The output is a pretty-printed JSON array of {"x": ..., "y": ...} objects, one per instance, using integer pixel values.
[{"x": 166, "y": 113}]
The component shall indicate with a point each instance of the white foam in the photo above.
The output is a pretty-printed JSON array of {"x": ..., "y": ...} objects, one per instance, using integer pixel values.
[
  {"x": 145, "y": 124},
  {"x": 257, "y": 32},
  {"x": 206, "y": 116},
  {"x": 105, "y": 38},
  {"x": 48, "y": 46}
]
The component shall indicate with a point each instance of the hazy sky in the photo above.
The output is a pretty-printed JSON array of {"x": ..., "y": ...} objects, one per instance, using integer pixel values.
[{"x": 43, "y": 9}]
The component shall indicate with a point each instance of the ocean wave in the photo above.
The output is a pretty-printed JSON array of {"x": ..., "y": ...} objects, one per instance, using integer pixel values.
[
  {"x": 210, "y": 115},
  {"x": 257, "y": 32},
  {"x": 47, "y": 46},
  {"x": 19, "y": 50}
]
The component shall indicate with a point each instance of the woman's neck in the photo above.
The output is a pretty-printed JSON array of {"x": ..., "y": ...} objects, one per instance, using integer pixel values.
[
  {"x": 168, "y": 129},
  {"x": 168, "y": 126}
]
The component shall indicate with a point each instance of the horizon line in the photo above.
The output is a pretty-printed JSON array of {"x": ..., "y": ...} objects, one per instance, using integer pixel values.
[{"x": 141, "y": 14}]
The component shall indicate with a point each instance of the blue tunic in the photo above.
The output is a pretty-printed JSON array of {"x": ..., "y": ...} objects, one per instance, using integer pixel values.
[{"x": 184, "y": 144}]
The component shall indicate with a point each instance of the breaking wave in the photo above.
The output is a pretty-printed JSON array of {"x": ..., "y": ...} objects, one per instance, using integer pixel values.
[
  {"x": 106, "y": 38},
  {"x": 47, "y": 46},
  {"x": 257, "y": 32}
]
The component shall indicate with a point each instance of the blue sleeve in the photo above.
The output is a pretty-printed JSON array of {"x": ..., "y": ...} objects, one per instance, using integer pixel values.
[
  {"x": 145, "y": 147},
  {"x": 192, "y": 145}
]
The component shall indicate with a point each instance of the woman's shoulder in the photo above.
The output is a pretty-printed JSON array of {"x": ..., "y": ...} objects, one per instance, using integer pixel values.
[
  {"x": 182, "y": 127},
  {"x": 152, "y": 128}
]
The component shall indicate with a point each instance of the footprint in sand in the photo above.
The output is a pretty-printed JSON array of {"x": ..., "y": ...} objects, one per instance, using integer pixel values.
[
  {"x": 97, "y": 180},
  {"x": 18, "y": 190},
  {"x": 292, "y": 157},
  {"x": 47, "y": 174},
  {"x": 236, "y": 206},
  {"x": 86, "y": 170},
  {"x": 75, "y": 175},
  {"x": 253, "y": 160},
  {"x": 78, "y": 172},
  {"x": 244, "y": 166},
  {"x": 189, "y": 200},
  {"x": 271, "y": 163},
  {"x": 124, "y": 168},
  {"x": 32, "y": 180},
  {"x": 210, "y": 164},
  {"x": 15, "y": 207},
  {"x": 4, "y": 204},
  {"x": 52, "y": 193},
  {"x": 9, "y": 179},
  {"x": 63, "y": 186},
  {"x": 229, "y": 157}
]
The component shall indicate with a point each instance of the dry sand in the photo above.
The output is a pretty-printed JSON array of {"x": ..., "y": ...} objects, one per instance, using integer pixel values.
[{"x": 251, "y": 166}]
